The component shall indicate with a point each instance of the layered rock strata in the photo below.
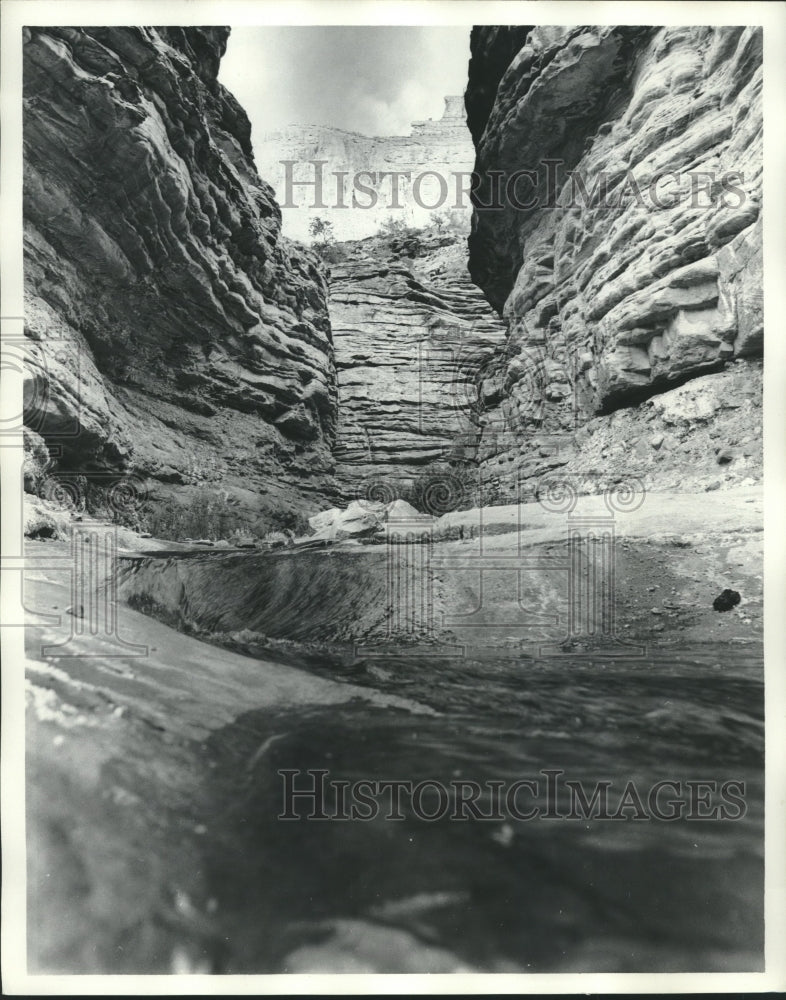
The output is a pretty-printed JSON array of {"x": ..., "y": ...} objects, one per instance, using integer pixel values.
[
  {"x": 412, "y": 337},
  {"x": 629, "y": 260},
  {"x": 172, "y": 332}
]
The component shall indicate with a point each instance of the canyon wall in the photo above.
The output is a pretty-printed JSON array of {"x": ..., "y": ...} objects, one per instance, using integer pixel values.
[
  {"x": 175, "y": 337},
  {"x": 172, "y": 333},
  {"x": 335, "y": 158},
  {"x": 413, "y": 337},
  {"x": 627, "y": 262}
]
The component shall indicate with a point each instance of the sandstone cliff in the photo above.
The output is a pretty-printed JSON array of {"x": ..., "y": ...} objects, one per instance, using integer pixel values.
[
  {"x": 413, "y": 337},
  {"x": 174, "y": 334},
  {"x": 632, "y": 261},
  {"x": 443, "y": 146}
]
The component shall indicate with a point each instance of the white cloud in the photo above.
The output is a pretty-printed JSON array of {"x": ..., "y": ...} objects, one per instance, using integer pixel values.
[{"x": 374, "y": 80}]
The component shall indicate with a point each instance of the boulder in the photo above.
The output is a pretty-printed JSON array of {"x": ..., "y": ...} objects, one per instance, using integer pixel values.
[
  {"x": 359, "y": 518},
  {"x": 364, "y": 519},
  {"x": 400, "y": 510},
  {"x": 726, "y": 600}
]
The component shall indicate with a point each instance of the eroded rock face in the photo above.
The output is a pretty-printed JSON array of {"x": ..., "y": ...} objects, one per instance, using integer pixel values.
[
  {"x": 413, "y": 337},
  {"x": 334, "y": 158},
  {"x": 642, "y": 269},
  {"x": 173, "y": 332}
]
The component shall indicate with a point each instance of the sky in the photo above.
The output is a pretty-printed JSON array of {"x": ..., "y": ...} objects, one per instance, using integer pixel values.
[{"x": 373, "y": 80}]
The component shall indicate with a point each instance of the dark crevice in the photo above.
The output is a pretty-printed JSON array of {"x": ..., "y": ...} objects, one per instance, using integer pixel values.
[{"x": 664, "y": 383}]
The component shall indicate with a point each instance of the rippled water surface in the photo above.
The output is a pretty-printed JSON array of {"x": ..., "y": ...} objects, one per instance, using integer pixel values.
[{"x": 499, "y": 894}]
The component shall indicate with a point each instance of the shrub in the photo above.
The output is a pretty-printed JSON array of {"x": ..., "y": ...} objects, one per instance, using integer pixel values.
[
  {"x": 216, "y": 514},
  {"x": 207, "y": 514},
  {"x": 325, "y": 241},
  {"x": 321, "y": 230},
  {"x": 203, "y": 469},
  {"x": 451, "y": 220},
  {"x": 285, "y": 520}
]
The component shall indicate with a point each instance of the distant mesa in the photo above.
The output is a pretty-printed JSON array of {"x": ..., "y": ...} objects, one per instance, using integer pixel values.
[
  {"x": 454, "y": 114},
  {"x": 357, "y": 192}
]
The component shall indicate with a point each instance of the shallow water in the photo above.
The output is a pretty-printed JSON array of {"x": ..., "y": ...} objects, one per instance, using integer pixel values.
[{"x": 502, "y": 893}]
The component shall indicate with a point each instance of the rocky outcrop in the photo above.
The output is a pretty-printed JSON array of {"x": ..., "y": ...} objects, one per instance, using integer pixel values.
[
  {"x": 413, "y": 337},
  {"x": 335, "y": 158},
  {"x": 173, "y": 333},
  {"x": 629, "y": 260},
  {"x": 367, "y": 519},
  {"x": 705, "y": 434}
]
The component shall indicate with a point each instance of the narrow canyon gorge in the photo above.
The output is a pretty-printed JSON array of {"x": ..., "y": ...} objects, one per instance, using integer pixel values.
[
  {"x": 176, "y": 337},
  {"x": 471, "y": 486}
]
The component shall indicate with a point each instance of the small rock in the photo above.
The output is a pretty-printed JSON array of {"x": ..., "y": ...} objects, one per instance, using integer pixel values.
[
  {"x": 76, "y": 612},
  {"x": 714, "y": 485},
  {"x": 726, "y": 600},
  {"x": 656, "y": 611},
  {"x": 504, "y": 835},
  {"x": 241, "y": 541},
  {"x": 656, "y": 441}
]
